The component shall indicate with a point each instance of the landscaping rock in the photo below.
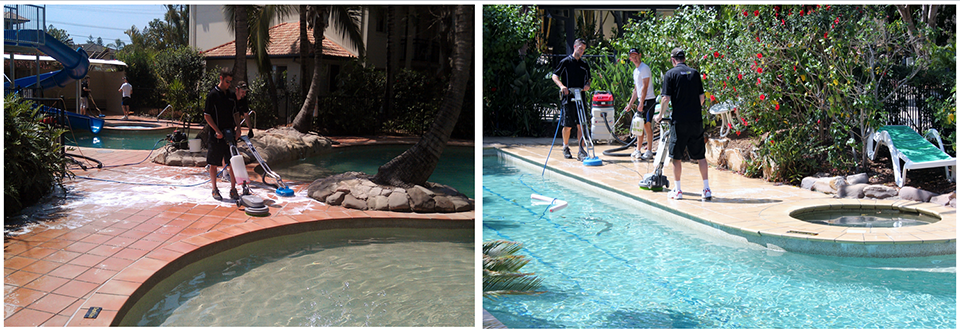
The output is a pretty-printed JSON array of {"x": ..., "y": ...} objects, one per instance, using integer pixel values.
[
  {"x": 829, "y": 185},
  {"x": 398, "y": 202},
  {"x": 807, "y": 182},
  {"x": 857, "y": 178},
  {"x": 879, "y": 191},
  {"x": 851, "y": 191},
  {"x": 275, "y": 145},
  {"x": 914, "y": 194},
  {"x": 944, "y": 199},
  {"x": 354, "y": 202},
  {"x": 335, "y": 198},
  {"x": 735, "y": 160},
  {"x": 715, "y": 147}
]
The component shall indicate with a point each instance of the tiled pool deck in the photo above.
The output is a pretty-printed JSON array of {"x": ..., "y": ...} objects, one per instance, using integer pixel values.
[
  {"x": 110, "y": 242},
  {"x": 754, "y": 209}
]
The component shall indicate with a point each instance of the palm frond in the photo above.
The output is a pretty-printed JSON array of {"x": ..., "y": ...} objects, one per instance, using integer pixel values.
[
  {"x": 511, "y": 263},
  {"x": 500, "y": 248}
]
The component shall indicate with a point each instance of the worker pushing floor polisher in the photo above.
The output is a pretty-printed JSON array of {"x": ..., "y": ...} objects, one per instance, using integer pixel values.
[
  {"x": 656, "y": 181},
  {"x": 586, "y": 137}
]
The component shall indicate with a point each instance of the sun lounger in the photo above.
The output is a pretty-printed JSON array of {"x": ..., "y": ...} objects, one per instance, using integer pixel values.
[{"x": 916, "y": 152}]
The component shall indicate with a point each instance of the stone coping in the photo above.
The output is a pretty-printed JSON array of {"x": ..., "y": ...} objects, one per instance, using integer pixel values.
[{"x": 753, "y": 209}]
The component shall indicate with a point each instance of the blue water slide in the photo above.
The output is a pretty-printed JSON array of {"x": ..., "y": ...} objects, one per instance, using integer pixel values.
[{"x": 75, "y": 62}]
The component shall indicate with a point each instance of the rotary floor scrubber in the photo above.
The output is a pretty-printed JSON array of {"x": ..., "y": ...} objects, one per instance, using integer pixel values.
[
  {"x": 585, "y": 137},
  {"x": 656, "y": 181},
  {"x": 252, "y": 204}
]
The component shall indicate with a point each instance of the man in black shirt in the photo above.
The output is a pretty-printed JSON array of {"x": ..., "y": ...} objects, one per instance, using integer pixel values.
[
  {"x": 84, "y": 95},
  {"x": 220, "y": 114},
  {"x": 683, "y": 88},
  {"x": 572, "y": 72}
]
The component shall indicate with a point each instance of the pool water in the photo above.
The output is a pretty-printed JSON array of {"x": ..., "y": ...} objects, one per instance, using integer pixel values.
[
  {"x": 456, "y": 167},
  {"x": 607, "y": 265},
  {"x": 359, "y": 277},
  {"x": 114, "y": 139},
  {"x": 880, "y": 218}
]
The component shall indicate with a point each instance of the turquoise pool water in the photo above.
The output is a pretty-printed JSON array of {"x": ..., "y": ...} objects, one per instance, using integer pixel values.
[
  {"x": 114, "y": 139},
  {"x": 456, "y": 167},
  {"x": 343, "y": 277},
  {"x": 606, "y": 265}
]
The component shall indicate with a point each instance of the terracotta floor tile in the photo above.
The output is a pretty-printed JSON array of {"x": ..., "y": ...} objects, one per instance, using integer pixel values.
[
  {"x": 96, "y": 275},
  {"x": 180, "y": 246},
  {"x": 134, "y": 275},
  {"x": 80, "y": 247},
  {"x": 18, "y": 262},
  {"x": 105, "y": 250},
  {"x": 105, "y": 301},
  {"x": 42, "y": 267},
  {"x": 97, "y": 238},
  {"x": 62, "y": 256},
  {"x": 68, "y": 271},
  {"x": 88, "y": 260},
  {"x": 103, "y": 319},
  {"x": 56, "y": 244},
  {"x": 134, "y": 234},
  {"x": 38, "y": 252},
  {"x": 20, "y": 278},
  {"x": 57, "y": 320},
  {"x": 27, "y": 317},
  {"x": 46, "y": 283},
  {"x": 119, "y": 287},
  {"x": 52, "y": 303},
  {"x": 131, "y": 254},
  {"x": 76, "y": 288},
  {"x": 114, "y": 263}
]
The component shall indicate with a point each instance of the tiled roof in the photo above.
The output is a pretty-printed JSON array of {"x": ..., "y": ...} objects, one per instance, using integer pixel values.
[{"x": 284, "y": 40}]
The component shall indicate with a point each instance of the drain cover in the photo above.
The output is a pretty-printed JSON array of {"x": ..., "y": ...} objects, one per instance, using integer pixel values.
[{"x": 93, "y": 312}]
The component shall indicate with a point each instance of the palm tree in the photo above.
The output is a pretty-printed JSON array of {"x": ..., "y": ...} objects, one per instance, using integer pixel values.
[
  {"x": 414, "y": 166},
  {"x": 237, "y": 21},
  {"x": 346, "y": 19},
  {"x": 500, "y": 271}
]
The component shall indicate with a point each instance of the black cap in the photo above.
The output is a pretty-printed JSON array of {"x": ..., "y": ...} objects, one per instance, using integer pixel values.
[
  {"x": 678, "y": 53},
  {"x": 634, "y": 50}
]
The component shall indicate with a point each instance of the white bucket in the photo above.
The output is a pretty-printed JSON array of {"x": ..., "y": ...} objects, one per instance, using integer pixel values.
[
  {"x": 194, "y": 144},
  {"x": 239, "y": 169}
]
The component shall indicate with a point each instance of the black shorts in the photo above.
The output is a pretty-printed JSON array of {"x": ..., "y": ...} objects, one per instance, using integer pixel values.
[
  {"x": 646, "y": 111},
  {"x": 568, "y": 110},
  {"x": 126, "y": 101},
  {"x": 217, "y": 151},
  {"x": 687, "y": 136}
]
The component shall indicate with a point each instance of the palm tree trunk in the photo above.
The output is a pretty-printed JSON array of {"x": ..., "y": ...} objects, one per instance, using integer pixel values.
[
  {"x": 304, "y": 119},
  {"x": 393, "y": 59},
  {"x": 414, "y": 166},
  {"x": 304, "y": 41},
  {"x": 242, "y": 33}
]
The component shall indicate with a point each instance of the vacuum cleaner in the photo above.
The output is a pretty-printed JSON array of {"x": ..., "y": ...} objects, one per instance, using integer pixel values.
[
  {"x": 591, "y": 159},
  {"x": 656, "y": 181}
]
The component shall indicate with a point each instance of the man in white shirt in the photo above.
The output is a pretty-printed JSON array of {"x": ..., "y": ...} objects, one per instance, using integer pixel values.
[
  {"x": 126, "y": 90},
  {"x": 642, "y": 88}
]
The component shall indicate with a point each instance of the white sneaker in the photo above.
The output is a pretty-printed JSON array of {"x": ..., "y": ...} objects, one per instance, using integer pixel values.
[
  {"x": 124, "y": 117},
  {"x": 647, "y": 155},
  {"x": 675, "y": 194},
  {"x": 636, "y": 154},
  {"x": 707, "y": 195}
]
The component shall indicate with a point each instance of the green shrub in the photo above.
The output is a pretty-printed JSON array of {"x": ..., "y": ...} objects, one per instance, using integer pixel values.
[{"x": 32, "y": 160}]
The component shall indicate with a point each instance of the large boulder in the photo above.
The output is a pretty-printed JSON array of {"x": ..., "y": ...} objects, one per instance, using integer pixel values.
[
  {"x": 915, "y": 194},
  {"x": 944, "y": 199},
  {"x": 355, "y": 190},
  {"x": 879, "y": 191}
]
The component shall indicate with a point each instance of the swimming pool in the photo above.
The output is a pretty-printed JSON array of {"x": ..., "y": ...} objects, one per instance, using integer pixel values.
[
  {"x": 607, "y": 263},
  {"x": 118, "y": 139},
  {"x": 456, "y": 167},
  {"x": 340, "y": 277}
]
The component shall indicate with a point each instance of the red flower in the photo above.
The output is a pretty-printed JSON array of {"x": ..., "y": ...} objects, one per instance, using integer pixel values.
[
  {"x": 716, "y": 54},
  {"x": 825, "y": 35},
  {"x": 740, "y": 76},
  {"x": 762, "y": 97},
  {"x": 756, "y": 13},
  {"x": 738, "y": 133},
  {"x": 745, "y": 13},
  {"x": 493, "y": 89},
  {"x": 704, "y": 76},
  {"x": 783, "y": 22},
  {"x": 794, "y": 67},
  {"x": 759, "y": 55},
  {"x": 776, "y": 107},
  {"x": 729, "y": 125},
  {"x": 713, "y": 99},
  {"x": 758, "y": 39},
  {"x": 760, "y": 70},
  {"x": 758, "y": 83}
]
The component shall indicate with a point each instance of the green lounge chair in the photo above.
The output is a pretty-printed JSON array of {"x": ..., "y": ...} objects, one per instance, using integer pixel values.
[{"x": 916, "y": 152}]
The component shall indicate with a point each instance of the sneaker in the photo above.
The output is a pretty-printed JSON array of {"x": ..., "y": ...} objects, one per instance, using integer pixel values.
[
  {"x": 216, "y": 195},
  {"x": 647, "y": 155},
  {"x": 124, "y": 117},
  {"x": 581, "y": 155},
  {"x": 566, "y": 152},
  {"x": 234, "y": 195},
  {"x": 636, "y": 154},
  {"x": 707, "y": 195},
  {"x": 675, "y": 194}
]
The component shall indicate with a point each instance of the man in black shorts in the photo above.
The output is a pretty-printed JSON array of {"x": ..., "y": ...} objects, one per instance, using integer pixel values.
[
  {"x": 572, "y": 72},
  {"x": 682, "y": 86},
  {"x": 220, "y": 114}
]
